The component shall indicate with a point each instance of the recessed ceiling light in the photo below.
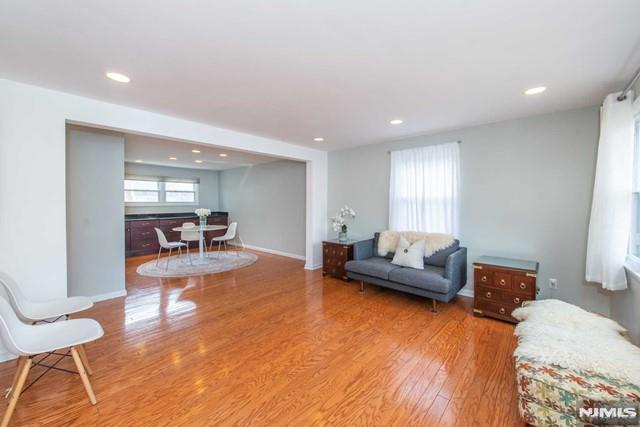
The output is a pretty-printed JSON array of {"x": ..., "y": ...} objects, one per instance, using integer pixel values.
[
  {"x": 120, "y": 78},
  {"x": 535, "y": 90},
  {"x": 138, "y": 161},
  {"x": 223, "y": 154},
  {"x": 396, "y": 122},
  {"x": 318, "y": 139},
  {"x": 195, "y": 151},
  {"x": 173, "y": 158},
  {"x": 198, "y": 161}
]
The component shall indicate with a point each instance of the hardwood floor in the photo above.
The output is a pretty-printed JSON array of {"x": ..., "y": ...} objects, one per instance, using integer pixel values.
[{"x": 274, "y": 344}]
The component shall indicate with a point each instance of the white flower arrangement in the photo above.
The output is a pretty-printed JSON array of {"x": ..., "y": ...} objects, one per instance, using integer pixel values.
[
  {"x": 339, "y": 220},
  {"x": 203, "y": 212}
]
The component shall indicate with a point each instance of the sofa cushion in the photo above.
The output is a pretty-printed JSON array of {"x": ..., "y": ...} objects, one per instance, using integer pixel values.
[
  {"x": 409, "y": 255},
  {"x": 375, "y": 266},
  {"x": 431, "y": 278},
  {"x": 438, "y": 259}
]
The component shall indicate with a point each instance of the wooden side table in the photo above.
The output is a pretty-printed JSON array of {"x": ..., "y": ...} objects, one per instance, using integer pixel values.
[
  {"x": 335, "y": 254},
  {"x": 501, "y": 285}
]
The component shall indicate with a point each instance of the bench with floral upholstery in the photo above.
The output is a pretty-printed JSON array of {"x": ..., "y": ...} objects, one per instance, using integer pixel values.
[{"x": 551, "y": 395}]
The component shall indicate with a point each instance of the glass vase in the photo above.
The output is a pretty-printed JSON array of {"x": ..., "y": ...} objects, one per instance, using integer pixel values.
[
  {"x": 342, "y": 236},
  {"x": 203, "y": 221}
]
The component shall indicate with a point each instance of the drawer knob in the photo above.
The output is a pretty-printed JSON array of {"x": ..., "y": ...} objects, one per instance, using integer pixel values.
[
  {"x": 502, "y": 282},
  {"x": 516, "y": 300},
  {"x": 484, "y": 278},
  {"x": 523, "y": 285},
  {"x": 502, "y": 311},
  {"x": 488, "y": 294}
]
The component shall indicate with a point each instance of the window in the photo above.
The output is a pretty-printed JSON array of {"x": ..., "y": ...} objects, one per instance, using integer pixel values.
[
  {"x": 423, "y": 189},
  {"x": 160, "y": 191},
  {"x": 141, "y": 191},
  {"x": 634, "y": 239},
  {"x": 180, "y": 192}
]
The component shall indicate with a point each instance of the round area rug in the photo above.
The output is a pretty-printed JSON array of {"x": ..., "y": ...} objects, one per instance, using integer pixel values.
[{"x": 179, "y": 265}]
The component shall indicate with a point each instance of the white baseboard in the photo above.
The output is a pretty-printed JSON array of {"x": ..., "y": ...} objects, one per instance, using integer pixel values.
[
  {"x": 109, "y": 295},
  {"x": 466, "y": 292},
  {"x": 312, "y": 267},
  {"x": 275, "y": 252}
]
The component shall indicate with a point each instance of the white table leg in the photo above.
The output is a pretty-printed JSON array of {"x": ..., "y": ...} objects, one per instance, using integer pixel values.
[{"x": 200, "y": 244}]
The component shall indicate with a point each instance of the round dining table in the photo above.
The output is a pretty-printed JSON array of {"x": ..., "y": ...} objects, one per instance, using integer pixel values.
[{"x": 201, "y": 229}]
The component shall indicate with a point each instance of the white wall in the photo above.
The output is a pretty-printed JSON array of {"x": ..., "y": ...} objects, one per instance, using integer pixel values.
[
  {"x": 209, "y": 193},
  {"x": 268, "y": 202},
  {"x": 32, "y": 174},
  {"x": 95, "y": 214},
  {"x": 526, "y": 193}
]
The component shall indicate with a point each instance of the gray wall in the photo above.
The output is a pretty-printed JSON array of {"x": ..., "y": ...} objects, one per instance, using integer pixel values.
[
  {"x": 526, "y": 193},
  {"x": 625, "y": 305},
  {"x": 209, "y": 187},
  {"x": 95, "y": 213},
  {"x": 268, "y": 202}
]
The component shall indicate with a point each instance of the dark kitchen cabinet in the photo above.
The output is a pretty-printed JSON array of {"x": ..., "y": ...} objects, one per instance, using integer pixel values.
[{"x": 141, "y": 238}]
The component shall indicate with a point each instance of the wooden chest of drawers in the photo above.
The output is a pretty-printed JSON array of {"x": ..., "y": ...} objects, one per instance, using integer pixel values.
[
  {"x": 334, "y": 256},
  {"x": 502, "y": 285}
]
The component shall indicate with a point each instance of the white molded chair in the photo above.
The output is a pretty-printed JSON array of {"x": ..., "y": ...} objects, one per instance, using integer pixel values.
[
  {"x": 164, "y": 244},
  {"x": 228, "y": 236},
  {"x": 190, "y": 236},
  {"x": 27, "y": 341},
  {"x": 39, "y": 311}
]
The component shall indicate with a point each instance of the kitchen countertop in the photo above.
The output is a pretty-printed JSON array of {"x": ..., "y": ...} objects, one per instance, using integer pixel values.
[{"x": 141, "y": 217}]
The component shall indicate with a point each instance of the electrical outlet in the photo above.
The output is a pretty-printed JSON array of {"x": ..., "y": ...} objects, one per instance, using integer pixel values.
[{"x": 553, "y": 283}]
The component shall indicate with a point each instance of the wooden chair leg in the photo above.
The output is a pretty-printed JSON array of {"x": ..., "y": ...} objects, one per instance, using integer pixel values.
[
  {"x": 85, "y": 360},
  {"x": 16, "y": 389},
  {"x": 83, "y": 375},
  {"x": 361, "y": 286},
  {"x": 19, "y": 364},
  {"x": 434, "y": 306}
]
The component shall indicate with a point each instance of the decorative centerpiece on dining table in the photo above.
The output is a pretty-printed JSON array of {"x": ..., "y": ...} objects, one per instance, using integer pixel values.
[
  {"x": 203, "y": 213},
  {"x": 339, "y": 221}
]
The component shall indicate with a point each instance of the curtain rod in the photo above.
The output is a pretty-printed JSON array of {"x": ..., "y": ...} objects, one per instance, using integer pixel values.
[
  {"x": 627, "y": 88},
  {"x": 457, "y": 142}
]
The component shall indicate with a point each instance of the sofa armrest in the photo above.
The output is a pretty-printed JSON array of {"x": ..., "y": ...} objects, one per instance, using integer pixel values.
[
  {"x": 363, "y": 249},
  {"x": 456, "y": 268}
]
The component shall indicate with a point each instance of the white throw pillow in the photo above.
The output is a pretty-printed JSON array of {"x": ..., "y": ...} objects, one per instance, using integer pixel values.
[{"x": 408, "y": 255}]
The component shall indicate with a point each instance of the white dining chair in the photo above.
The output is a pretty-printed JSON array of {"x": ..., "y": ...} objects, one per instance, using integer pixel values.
[
  {"x": 32, "y": 311},
  {"x": 228, "y": 236},
  {"x": 190, "y": 236},
  {"x": 27, "y": 341},
  {"x": 165, "y": 244}
]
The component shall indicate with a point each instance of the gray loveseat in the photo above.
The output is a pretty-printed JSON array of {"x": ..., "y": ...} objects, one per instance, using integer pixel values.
[{"x": 444, "y": 274}]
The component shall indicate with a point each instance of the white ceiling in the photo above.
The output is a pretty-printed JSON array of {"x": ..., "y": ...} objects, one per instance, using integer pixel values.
[
  {"x": 156, "y": 151},
  {"x": 297, "y": 69}
]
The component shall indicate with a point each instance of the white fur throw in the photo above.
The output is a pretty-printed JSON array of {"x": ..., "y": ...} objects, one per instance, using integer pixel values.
[
  {"x": 557, "y": 333},
  {"x": 556, "y": 312},
  {"x": 434, "y": 242}
]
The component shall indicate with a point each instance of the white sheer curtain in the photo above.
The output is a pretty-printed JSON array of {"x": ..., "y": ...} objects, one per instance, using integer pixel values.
[
  {"x": 424, "y": 189},
  {"x": 610, "y": 223}
]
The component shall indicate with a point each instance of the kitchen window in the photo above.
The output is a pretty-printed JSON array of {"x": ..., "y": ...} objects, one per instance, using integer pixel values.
[{"x": 154, "y": 191}]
